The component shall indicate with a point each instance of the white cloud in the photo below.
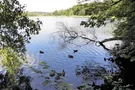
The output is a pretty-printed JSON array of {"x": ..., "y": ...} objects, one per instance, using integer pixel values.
[{"x": 47, "y": 5}]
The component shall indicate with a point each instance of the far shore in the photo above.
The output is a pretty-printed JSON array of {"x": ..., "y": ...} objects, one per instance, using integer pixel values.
[{"x": 63, "y": 16}]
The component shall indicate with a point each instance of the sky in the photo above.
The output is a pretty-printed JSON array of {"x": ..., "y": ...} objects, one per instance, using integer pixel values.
[{"x": 47, "y": 5}]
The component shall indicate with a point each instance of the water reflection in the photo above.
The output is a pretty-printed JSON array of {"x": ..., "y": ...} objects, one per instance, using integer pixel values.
[
  {"x": 56, "y": 54},
  {"x": 87, "y": 73},
  {"x": 91, "y": 72}
]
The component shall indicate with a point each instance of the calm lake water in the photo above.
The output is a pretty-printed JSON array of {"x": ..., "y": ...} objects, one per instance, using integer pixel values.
[{"x": 57, "y": 57}]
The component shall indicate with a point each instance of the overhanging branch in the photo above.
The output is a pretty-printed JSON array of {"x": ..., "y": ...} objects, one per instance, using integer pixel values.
[
  {"x": 108, "y": 40},
  {"x": 111, "y": 39},
  {"x": 69, "y": 34},
  {"x": 101, "y": 43}
]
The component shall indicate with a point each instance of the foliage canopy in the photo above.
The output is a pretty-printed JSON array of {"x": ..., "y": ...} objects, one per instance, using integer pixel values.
[
  {"x": 83, "y": 9},
  {"x": 15, "y": 31},
  {"x": 15, "y": 26}
]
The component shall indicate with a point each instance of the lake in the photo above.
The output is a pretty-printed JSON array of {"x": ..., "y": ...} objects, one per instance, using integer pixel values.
[{"x": 56, "y": 56}]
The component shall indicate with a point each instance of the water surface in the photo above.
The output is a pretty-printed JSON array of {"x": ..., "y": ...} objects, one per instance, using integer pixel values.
[{"x": 57, "y": 57}]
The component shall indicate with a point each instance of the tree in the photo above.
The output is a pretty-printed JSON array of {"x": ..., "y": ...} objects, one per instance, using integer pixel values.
[
  {"x": 15, "y": 31},
  {"x": 122, "y": 14},
  {"x": 83, "y": 9},
  {"x": 15, "y": 27}
]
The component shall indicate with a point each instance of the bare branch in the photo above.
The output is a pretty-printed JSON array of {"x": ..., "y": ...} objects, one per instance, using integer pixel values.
[
  {"x": 69, "y": 34},
  {"x": 111, "y": 39},
  {"x": 101, "y": 44},
  {"x": 108, "y": 40},
  {"x": 88, "y": 39}
]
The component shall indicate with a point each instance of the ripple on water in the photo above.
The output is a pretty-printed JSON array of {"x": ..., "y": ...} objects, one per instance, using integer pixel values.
[
  {"x": 56, "y": 54},
  {"x": 58, "y": 59}
]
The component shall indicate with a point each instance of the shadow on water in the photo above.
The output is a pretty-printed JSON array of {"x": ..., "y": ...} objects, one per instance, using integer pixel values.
[
  {"x": 93, "y": 72},
  {"x": 87, "y": 73}
]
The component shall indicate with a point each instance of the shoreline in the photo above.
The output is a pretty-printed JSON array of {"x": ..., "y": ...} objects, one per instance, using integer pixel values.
[{"x": 63, "y": 16}]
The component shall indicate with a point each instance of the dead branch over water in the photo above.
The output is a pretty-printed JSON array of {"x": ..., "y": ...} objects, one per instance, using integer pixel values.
[{"x": 70, "y": 34}]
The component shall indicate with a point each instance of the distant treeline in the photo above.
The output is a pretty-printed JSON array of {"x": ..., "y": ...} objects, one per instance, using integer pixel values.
[
  {"x": 81, "y": 10},
  {"x": 77, "y": 10},
  {"x": 39, "y": 13}
]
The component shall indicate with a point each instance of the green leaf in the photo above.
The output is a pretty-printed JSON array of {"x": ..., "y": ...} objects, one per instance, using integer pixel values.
[
  {"x": 35, "y": 70},
  {"x": 46, "y": 82}
]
